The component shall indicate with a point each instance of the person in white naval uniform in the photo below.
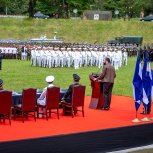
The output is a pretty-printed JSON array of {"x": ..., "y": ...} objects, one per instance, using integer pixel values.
[
  {"x": 125, "y": 58},
  {"x": 42, "y": 99}
]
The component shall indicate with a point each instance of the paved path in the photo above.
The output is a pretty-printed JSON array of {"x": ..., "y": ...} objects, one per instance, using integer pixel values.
[{"x": 143, "y": 149}]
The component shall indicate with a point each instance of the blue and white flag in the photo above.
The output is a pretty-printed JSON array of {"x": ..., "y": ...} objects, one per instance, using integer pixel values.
[
  {"x": 137, "y": 83},
  {"x": 147, "y": 80}
]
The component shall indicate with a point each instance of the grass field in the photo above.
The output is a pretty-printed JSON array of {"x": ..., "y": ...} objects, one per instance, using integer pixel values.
[
  {"x": 19, "y": 74},
  {"x": 72, "y": 30}
]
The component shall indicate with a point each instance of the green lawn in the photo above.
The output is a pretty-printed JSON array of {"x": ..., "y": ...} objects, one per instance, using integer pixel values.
[
  {"x": 19, "y": 74},
  {"x": 72, "y": 30}
]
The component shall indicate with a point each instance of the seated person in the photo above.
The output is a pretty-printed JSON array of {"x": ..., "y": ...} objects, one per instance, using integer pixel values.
[
  {"x": 42, "y": 99},
  {"x": 1, "y": 84},
  {"x": 68, "y": 95}
]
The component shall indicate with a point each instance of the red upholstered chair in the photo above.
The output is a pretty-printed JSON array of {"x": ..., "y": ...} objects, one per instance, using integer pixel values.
[
  {"x": 52, "y": 102},
  {"x": 28, "y": 104},
  {"x": 78, "y": 95},
  {"x": 5, "y": 104}
]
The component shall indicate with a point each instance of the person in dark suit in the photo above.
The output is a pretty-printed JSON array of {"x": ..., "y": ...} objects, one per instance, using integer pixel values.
[
  {"x": 107, "y": 78},
  {"x": 1, "y": 84},
  {"x": 68, "y": 95}
]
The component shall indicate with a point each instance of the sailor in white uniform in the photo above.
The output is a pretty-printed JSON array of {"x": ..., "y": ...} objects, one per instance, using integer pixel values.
[
  {"x": 42, "y": 99},
  {"x": 125, "y": 58}
]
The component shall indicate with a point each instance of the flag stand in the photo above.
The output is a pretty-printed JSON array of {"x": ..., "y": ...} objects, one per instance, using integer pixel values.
[
  {"x": 151, "y": 118},
  {"x": 136, "y": 120},
  {"x": 145, "y": 119}
]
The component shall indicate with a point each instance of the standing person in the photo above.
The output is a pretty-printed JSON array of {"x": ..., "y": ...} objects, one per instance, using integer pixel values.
[
  {"x": 23, "y": 52},
  {"x": 1, "y": 84},
  {"x": 42, "y": 99},
  {"x": 107, "y": 78}
]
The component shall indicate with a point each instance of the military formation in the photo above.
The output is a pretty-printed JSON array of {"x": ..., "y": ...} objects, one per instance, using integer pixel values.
[
  {"x": 77, "y": 57},
  {"x": 69, "y": 55}
]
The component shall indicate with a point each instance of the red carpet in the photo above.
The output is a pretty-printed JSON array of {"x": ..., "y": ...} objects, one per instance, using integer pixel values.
[{"x": 121, "y": 113}]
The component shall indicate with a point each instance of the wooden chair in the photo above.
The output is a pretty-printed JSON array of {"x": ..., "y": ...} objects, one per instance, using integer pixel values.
[
  {"x": 28, "y": 104},
  {"x": 5, "y": 105},
  {"x": 78, "y": 95},
  {"x": 52, "y": 102}
]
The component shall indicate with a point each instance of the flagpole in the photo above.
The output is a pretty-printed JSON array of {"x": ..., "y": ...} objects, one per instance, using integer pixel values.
[
  {"x": 136, "y": 120},
  {"x": 136, "y": 114}
]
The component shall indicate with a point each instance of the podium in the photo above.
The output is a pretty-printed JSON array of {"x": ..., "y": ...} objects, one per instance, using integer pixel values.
[{"x": 96, "y": 101}]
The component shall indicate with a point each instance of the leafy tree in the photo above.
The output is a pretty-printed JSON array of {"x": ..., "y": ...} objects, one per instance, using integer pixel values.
[
  {"x": 64, "y": 8},
  {"x": 12, "y": 7},
  {"x": 31, "y": 9},
  {"x": 112, "y": 6},
  {"x": 78, "y": 4}
]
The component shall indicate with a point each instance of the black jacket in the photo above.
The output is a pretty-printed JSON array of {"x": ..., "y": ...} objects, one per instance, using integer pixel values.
[{"x": 68, "y": 94}]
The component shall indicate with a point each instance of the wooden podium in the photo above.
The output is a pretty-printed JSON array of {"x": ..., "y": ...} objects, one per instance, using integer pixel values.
[{"x": 96, "y": 97}]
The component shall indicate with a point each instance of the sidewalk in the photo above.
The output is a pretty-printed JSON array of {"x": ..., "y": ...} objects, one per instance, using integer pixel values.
[{"x": 143, "y": 149}]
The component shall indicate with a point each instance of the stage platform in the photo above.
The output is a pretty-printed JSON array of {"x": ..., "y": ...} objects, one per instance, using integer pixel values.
[{"x": 98, "y": 131}]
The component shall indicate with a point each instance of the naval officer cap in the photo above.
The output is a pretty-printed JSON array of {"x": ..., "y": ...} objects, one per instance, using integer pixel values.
[
  {"x": 50, "y": 78},
  {"x": 1, "y": 81},
  {"x": 76, "y": 77}
]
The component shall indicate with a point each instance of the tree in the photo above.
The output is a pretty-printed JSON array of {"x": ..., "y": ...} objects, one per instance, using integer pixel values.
[
  {"x": 99, "y": 4},
  {"x": 31, "y": 9},
  {"x": 63, "y": 8},
  {"x": 13, "y": 7},
  {"x": 78, "y": 4},
  {"x": 112, "y": 5}
]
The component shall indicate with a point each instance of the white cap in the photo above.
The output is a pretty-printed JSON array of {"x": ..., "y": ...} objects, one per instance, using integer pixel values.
[{"x": 50, "y": 78}]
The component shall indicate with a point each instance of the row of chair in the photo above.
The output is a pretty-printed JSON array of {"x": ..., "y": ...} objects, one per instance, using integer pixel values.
[{"x": 29, "y": 107}]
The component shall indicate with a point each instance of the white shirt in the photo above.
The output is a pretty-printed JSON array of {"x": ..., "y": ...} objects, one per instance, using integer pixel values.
[{"x": 42, "y": 99}]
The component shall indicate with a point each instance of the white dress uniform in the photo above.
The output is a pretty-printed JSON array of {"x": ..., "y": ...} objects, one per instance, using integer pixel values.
[
  {"x": 125, "y": 58},
  {"x": 49, "y": 59},
  {"x": 120, "y": 58},
  {"x": 76, "y": 58},
  {"x": 56, "y": 57},
  {"x": 100, "y": 59},
  {"x": 85, "y": 57},
  {"x": 68, "y": 57},
  {"x": 38, "y": 58},
  {"x": 33, "y": 57},
  {"x": 43, "y": 58},
  {"x": 116, "y": 61},
  {"x": 42, "y": 99}
]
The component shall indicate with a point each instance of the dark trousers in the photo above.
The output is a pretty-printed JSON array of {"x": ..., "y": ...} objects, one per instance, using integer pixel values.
[{"x": 107, "y": 93}]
